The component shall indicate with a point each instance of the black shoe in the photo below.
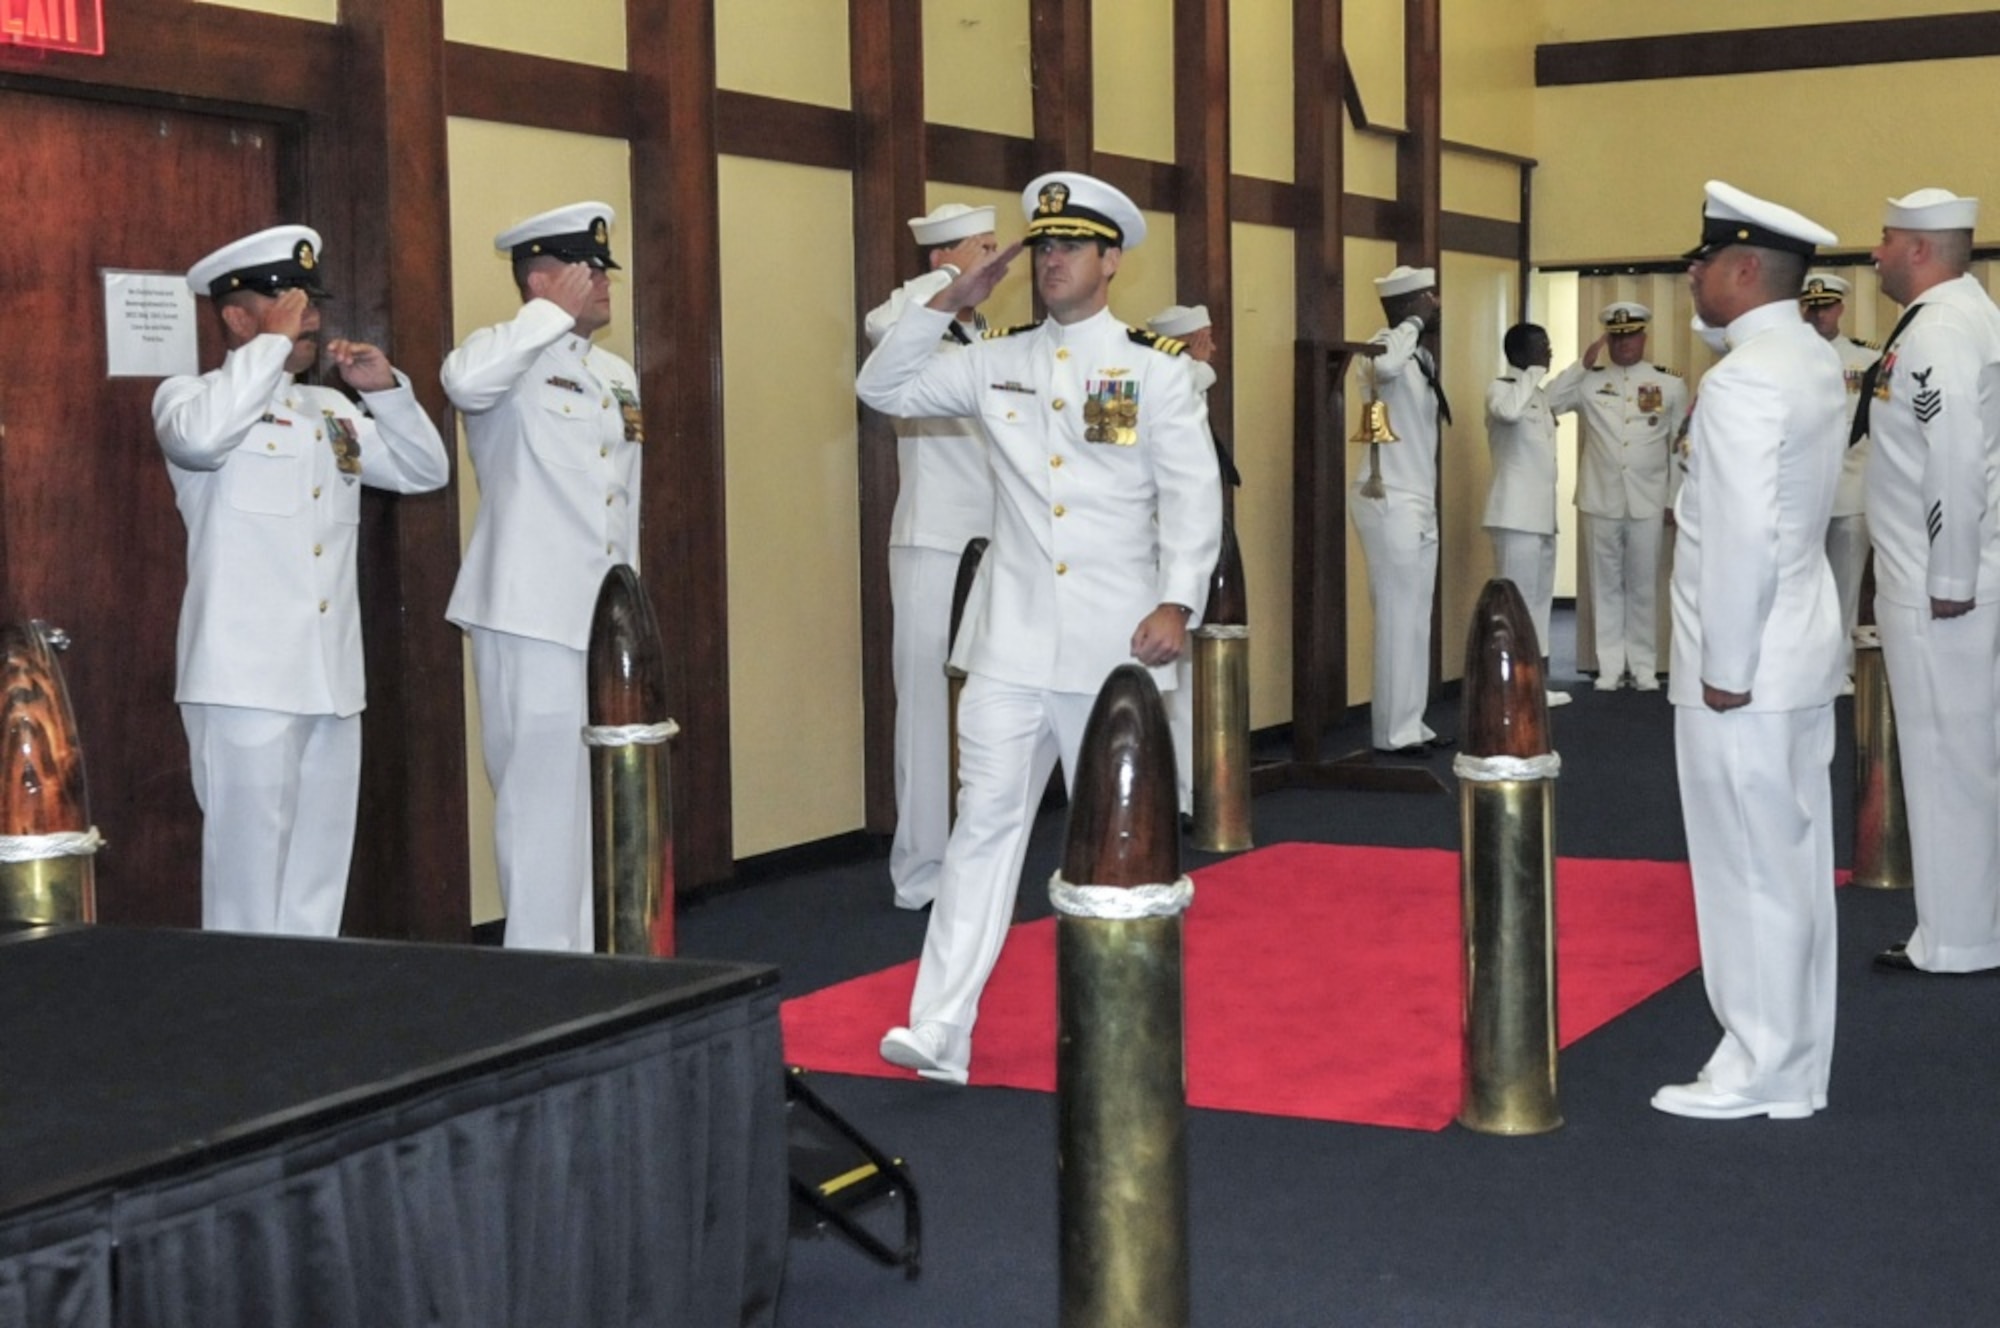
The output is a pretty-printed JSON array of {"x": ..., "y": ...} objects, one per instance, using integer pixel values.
[
  {"x": 1440, "y": 742},
  {"x": 1418, "y": 749},
  {"x": 1896, "y": 959}
]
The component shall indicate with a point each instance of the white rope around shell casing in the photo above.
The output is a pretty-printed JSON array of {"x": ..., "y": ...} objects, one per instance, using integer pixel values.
[
  {"x": 629, "y": 735},
  {"x": 1223, "y": 631},
  {"x": 1120, "y": 903},
  {"x": 1497, "y": 769},
  {"x": 40, "y": 848}
]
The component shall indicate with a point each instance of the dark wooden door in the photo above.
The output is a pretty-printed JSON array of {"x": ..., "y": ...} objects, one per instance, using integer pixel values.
[{"x": 88, "y": 532}]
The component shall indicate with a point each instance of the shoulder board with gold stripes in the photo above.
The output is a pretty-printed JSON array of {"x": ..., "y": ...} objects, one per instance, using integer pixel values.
[
  {"x": 1665, "y": 369},
  {"x": 1165, "y": 345},
  {"x": 992, "y": 333},
  {"x": 1866, "y": 345}
]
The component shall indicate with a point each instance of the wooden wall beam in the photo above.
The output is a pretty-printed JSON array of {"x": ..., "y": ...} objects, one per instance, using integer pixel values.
[
  {"x": 410, "y": 879},
  {"x": 1769, "y": 50},
  {"x": 677, "y": 306},
  {"x": 1202, "y": 256},
  {"x": 1065, "y": 120},
  {"x": 1319, "y": 466},
  {"x": 886, "y": 56},
  {"x": 507, "y": 87}
]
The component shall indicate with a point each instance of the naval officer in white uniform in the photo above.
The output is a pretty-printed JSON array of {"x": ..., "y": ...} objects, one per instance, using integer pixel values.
[
  {"x": 1399, "y": 528},
  {"x": 1756, "y": 665},
  {"x": 553, "y": 424},
  {"x": 1821, "y": 304},
  {"x": 1521, "y": 504},
  {"x": 1106, "y": 529},
  {"x": 1630, "y": 412},
  {"x": 944, "y": 500},
  {"x": 1933, "y": 480},
  {"x": 267, "y": 473}
]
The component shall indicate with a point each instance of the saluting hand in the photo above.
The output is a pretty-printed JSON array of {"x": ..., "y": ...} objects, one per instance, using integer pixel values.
[
  {"x": 285, "y": 314},
  {"x": 568, "y": 287},
  {"x": 364, "y": 368},
  {"x": 971, "y": 287}
]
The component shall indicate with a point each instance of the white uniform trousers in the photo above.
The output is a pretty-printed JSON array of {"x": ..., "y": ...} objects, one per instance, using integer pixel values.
[
  {"x": 1847, "y": 550},
  {"x": 278, "y": 795},
  {"x": 1528, "y": 560},
  {"x": 920, "y": 586},
  {"x": 1009, "y": 739},
  {"x": 1179, "y": 705},
  {"x": 1941, "y": 683},
  {"x": 1757, "y": 797},
  {"x": 1624, "y": 592},
  {"x": 1399, "y": 537},
  {"x": 532, "y": 709}
]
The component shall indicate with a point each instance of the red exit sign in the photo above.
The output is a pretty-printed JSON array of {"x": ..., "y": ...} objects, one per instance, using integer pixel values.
[{"x": 76, "y": 26}]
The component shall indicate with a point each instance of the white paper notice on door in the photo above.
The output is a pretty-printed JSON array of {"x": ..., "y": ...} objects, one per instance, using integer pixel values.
[{"x": 148, "y": 325}]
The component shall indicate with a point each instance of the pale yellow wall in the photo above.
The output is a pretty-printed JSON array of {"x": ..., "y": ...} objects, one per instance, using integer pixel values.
[
  {"x": 793, "y": 49},
  {"x": 1373, "y": 33},
  {"x": 1480, "y": 304},
  {"x": 501, "y": 174},
  {"x": 1815, "y": 146},
  {"x": 1487, "y": 54},
  {"x": 1256, "y": 337},
  {"x": 1132, "y": 68},
  {"x": 1480, "y": 186},
  {"x": 323, "y": 11},
  {"x": 590, "y": 32},
  {"x": 1594, "y": 20},
  {"x": 1370, "y": 162},
  {"x": 788, "y": 342},
  {"x": 1145, "y": 282},
  {"x": 1260, "y": 88},
  {"x": 977, "y": 69}
]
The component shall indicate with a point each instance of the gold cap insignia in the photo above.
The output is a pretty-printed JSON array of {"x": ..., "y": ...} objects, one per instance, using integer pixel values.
[
  {"x": 304, "y": 255},
  {"x": 1053, "y": 198},
  {"x": 597, "y": 231}
]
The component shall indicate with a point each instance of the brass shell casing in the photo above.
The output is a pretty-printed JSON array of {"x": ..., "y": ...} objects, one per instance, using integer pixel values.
[
  {"x": 1122, "y": 1123},
  {"x": 1221, "y": 742},
  {"x": 1506, "y": 878},
  {"x": 1881, "y": 820}
]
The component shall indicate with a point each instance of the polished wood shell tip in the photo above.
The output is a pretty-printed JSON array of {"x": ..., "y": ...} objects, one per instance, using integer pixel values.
[
  {"x": 1506, "y": 702},
  {"x": 1228, "y": 601},
  {"x": 1124, "y": 817},
  {"x": 626, "y": 664},
  {"x": 42, "y": 787}
]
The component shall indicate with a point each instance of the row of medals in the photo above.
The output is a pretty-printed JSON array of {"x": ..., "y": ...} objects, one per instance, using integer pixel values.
[{"x": 1111, "y": 420}]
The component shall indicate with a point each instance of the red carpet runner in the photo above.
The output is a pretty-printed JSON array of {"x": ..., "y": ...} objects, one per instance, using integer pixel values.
[{"x": 1322, "y": 982}]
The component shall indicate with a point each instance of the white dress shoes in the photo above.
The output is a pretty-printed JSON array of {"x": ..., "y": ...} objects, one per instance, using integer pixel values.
[
  {"x": 1647, "y": 683},
  {"x": 927, "y": 1049},
  {"x": 1553, "y": 698},
  {"x": 1703, "y": 1101}
]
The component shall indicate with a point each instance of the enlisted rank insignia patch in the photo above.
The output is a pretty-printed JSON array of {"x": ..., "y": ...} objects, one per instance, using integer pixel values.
[
  {"x": 345, "y": 440},
  {"x": 1929, "y": 400},
  {"x": 1111, "y": 411},
  {"x": 628, "y": 410}
]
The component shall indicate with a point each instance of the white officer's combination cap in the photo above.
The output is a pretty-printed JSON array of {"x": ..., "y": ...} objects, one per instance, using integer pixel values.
[
  {"x": 1405, "y": 281},
  {"x": 1824, "y": 288},
  {"x": 576, "y": 233},
  {"x": 279, "y": 259},
  {"x": 1066, "y": 205},
  {"x": 1179, "y": 320},
  {"x": 1731, "y": 216},
  {"x": 1625, "y": 317},
  {"x": 951, "y": 223},
  {"x": 1931, "y": 210}
]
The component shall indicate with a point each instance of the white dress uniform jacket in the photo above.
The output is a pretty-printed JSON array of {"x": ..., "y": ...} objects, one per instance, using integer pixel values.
[
  {"x": 1521, "y": 431},
  {"x": 552, "y": 422},
  {"x": 1077, "y": 558},
  {"x": 1933, "y": 484},
  {"x": 1755, "y": 611},
  {"x": 1409, "y": 465},
  {"x": 944, "y": 494},
  {"x": 267, "y": 473},
  {"x": 1630, "y": 417}
]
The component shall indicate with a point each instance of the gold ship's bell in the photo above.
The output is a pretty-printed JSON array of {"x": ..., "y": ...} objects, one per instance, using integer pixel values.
[{"x": 1374, "y": 430}]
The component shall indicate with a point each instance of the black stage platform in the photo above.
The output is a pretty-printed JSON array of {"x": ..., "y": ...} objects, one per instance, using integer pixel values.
[{"x": 204, "y": 1130}]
